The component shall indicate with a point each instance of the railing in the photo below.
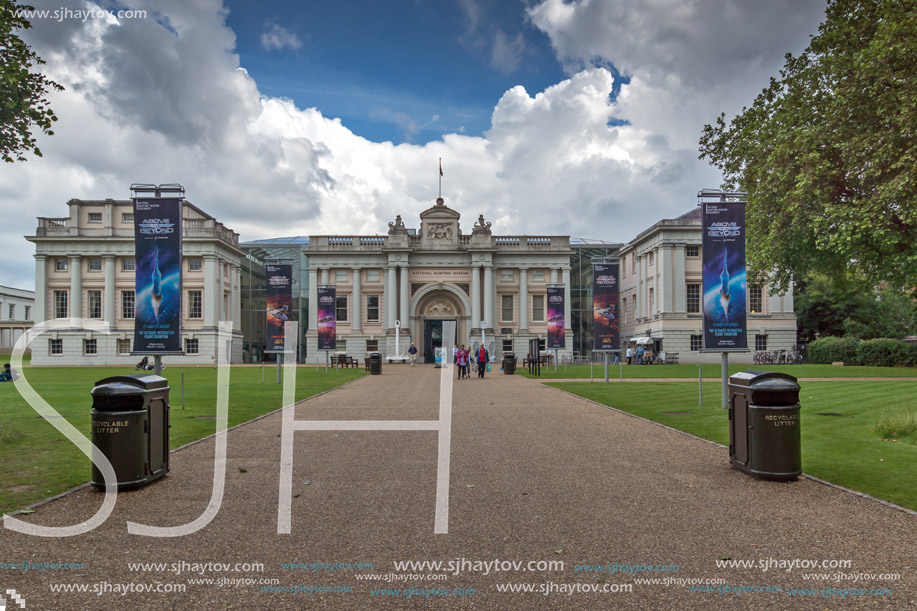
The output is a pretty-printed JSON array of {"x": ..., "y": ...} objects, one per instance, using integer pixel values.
[
  {"x": 191, "y": 228},
  {"x": 52, "y": 226},
  {"x": 532, "y": 242}
]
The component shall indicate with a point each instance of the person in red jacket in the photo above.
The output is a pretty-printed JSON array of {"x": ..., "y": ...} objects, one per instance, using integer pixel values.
[{"x": 483, "y": 357}]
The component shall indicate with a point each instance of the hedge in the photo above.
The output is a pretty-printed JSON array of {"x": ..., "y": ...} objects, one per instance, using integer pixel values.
[
  {"x": 829, "y": 350},
  {"x": 881, "y": 352}
]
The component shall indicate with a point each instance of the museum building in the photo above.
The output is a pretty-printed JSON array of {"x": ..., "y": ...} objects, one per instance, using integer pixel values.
[
  {"x": 410, "y": 281},
  {"x": 84, "y": 268}
]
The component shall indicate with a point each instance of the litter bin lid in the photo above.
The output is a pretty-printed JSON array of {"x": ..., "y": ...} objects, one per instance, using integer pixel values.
[
  {"x": 767, "y": 387},
  {"x": 505, "y": 354},
  {"x": 129, "y": 384}
]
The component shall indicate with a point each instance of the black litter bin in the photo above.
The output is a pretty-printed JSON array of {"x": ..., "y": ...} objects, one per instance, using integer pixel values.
[
  {"x": 130, "y": 426},
  {"x": 509, "y": 362},
  {"x": 764, "y": 425},
  {"x": 375, "y": 363}
]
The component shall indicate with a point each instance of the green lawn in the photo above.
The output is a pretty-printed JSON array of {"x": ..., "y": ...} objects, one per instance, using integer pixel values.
[
  {"x": 847, "y": 450},
  {"x": 37, "y": 462},
  {"x": 713, "y": 370}
]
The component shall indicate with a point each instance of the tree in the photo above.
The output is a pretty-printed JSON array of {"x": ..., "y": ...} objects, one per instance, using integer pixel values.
[
  {"x": 23, "y": 106},
  {"x": 828, "y": 152}
]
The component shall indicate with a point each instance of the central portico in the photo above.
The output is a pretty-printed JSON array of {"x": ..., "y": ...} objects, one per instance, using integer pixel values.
[{"x": 421, "y": 278}]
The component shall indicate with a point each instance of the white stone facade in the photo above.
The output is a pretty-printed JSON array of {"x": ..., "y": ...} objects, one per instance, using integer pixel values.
[
  {"x": 16, "y": 314},
  {"x": 661, "y": 269},
  {"x": 84, "y": 269},
  {"x": 437, "y": 273}
]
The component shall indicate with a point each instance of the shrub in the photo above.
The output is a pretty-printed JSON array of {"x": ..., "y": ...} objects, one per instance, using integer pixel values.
[
  {"x": 886, "y": 352},
  {"x": 828, "y": 350}
]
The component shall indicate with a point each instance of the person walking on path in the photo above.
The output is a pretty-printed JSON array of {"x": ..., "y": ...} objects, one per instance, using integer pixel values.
[
  {"x": 630, "y": 354},
  {"x": 457, "y": 359},
  {"x": 462, "y": 362},
  {"x": 413, "y": 352},
  {"x": 483, "y": 357}
]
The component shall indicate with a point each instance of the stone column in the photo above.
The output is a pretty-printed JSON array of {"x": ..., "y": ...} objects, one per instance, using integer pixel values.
[
  {"x": 523, "y": 299},
  {"x": 41, "y": 289},
  {"x": 638, "y": 287},
  {"x": 76, "y": 287},
  {"x": 221, "y": 271},
  {"x": 666, "y": 288},
  {"x": 210, "y": 288},
  {"x": 553, "y": 275},
  {"x": 405, "y": 296},
  {"x": 681, "y": 286},
  {"x": 235, "y": 297},
  {"x": 391, "y": 298},
  {"x": 326, "y": 276},
  {"x": 110, "y": 290},
  {"x": 313, "y": 298},
  {"x": 645, "y": 283},
  {"x": 357, "y": 305},
  {"x": 475, "y": 298},
  {"x": 489, "y": 296}
]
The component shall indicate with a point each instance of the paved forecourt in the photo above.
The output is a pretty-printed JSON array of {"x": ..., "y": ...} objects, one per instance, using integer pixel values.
[{"x": 536, "y": 475}]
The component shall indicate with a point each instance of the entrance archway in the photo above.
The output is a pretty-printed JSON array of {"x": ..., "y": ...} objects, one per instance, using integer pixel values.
[{"x": 433, "y": 307}]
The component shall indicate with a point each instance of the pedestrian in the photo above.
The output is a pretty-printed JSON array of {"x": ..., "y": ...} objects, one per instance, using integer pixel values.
[
  {"x": 413, "y": 352},
  {"x": 483, "y": 357},
  {"x": 467, "y": 362},
  {"x": 457, "y": 359},
  {"x": 462, "y": 363},
  {"x": 640, "y": 353},
  {"x": 630, "y": 354}
]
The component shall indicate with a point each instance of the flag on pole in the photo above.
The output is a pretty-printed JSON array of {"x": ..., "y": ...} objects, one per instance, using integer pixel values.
[{"x": 440, "y": 167}]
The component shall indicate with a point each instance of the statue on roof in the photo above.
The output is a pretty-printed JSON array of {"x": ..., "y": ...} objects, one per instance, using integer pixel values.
[
  {"x": 481, "y": 226},
  {"x": 397, "y": 226}
]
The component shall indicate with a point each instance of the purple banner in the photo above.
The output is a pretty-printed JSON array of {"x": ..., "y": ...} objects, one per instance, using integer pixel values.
[
  {"x": 555, "y": 317},
  {"x": 724, "y": 277},
  {"x": 327, "y": 318},
  {"x": 605, "y": 324},
  {"x": 279, "y": 304},
  {"x": 157, "y": 269}
]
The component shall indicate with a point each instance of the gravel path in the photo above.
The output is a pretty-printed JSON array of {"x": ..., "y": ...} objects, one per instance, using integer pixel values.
[{"x": 536, "y": 475}]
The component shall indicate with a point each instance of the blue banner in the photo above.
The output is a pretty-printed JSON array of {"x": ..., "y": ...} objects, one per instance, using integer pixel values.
[
  {"x": 157, "y": 295},
  {"x": 279, "y": 303},
  {"x": 724, "y": 277},
  {"x": 605, "y": 322}
]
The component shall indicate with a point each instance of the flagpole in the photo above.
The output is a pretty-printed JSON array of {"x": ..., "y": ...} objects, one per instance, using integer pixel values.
[{"x": 440, "y": 177}]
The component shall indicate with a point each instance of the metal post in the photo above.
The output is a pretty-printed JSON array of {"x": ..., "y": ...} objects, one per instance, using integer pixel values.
[
  {"x": 700, "y": 386},
  {"x": 606, "y": 367},
  {"x": 183, "y": 390},
  {"x": 262, "y": 372},
  {"x": 591, "y": 362},
  {"x": 279, "y": 362},
  {"x": 326, "y": 361},
  {"x": 725, "y": 380},
  {"x": 620, "y": 370},
  {"x": 157, "y": 365}
]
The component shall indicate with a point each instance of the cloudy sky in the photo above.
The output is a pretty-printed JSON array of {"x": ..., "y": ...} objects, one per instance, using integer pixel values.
[{"x": 294, "y": 118}]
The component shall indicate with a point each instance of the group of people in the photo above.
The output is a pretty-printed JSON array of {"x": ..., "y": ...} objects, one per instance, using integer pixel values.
[
  {"x": 463, "y": 357},
  {"x": 8, "y": 374},
  {"x": 639, "y": 353}
]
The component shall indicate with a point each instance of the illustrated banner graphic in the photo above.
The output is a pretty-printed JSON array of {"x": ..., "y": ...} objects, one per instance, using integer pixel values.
[
  {"x": 327, "y": 321},
  {"x": 279, "y": 304},
  {"x": 724, "y": 276},
  {"x": 606, "y": 329},
  {"x": 157, "y": 268},
  {"x": 556, "y": 320}
]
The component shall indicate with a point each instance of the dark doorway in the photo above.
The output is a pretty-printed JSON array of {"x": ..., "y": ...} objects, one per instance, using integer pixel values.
[{"x": 433, "y": 338}]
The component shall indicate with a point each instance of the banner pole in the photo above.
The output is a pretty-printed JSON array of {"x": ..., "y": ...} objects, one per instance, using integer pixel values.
[
  {"x": 157, "y": 365},
  {"x": 606, "y": 367},
  {"x": 326, "y": 361},
  {"x": 183, "y": 390},
  {"x": 279, "y": 362},
  {"x": 700, "y": 387},
  {"x": 725, "y": 374}
]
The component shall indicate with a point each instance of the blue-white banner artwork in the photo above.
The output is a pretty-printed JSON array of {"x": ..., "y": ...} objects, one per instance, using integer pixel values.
[{"x": 724, "y": 276}]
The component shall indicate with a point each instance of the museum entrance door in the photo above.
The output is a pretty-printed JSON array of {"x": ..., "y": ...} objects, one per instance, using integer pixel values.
[{"x": 433, "y": 338}]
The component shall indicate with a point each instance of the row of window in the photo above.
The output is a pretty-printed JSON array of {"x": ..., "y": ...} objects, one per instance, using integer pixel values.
[
  {"x": 62, "y": 264},
  {"x": 12, "y": 312},
  {"x": 755, "y": 299},
  {"x": 128, "y": 304},
  {"x": 506, "y": 275},
  {"x": 96, "y": 217},
  {"x": 692, "y": 251},
  {"x": 91, "y": 346}
]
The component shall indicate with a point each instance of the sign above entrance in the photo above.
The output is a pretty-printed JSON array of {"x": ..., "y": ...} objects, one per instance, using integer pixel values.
[{"x": 440, "y": 275}]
